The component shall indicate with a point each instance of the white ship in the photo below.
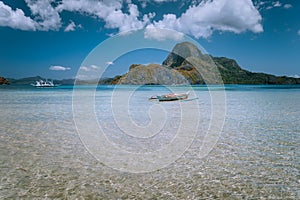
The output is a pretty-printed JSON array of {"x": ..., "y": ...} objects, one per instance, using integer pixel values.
[{"x": 42, "y": 83}]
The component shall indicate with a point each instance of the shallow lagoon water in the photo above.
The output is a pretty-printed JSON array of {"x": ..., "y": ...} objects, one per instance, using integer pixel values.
[{"x": 256, "y": 157}]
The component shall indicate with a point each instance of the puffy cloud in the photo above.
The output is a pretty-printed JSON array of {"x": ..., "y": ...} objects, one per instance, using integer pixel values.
[
  {"x": 84, "y": 68},
  {"x": 287, "y": 6},
  {"x": 162, "y": 34},
  {"x": 70, "y": 27},
  {"x": 95, "y": 67},
  {"x": 124, "y": 22},
  {"x": 270, "y": 5},
  {"x": 298, "y": 32},
  {"x": 59, "y": 68},
  {"x": 15, "y": 18},
  {"x": 109, "y": 63},
  {"x": 277, "y": 4},
  {"x": 200, "y": 19},
  {"x": 100, "y": 9},
  {"x": 145, "y": 2},
  {"x": 162, "y": 1},
  {"x": 223, "y": 15},
  {"x": 47, "y": 17},
  {"x": 109, "y": 11},
  {"x": 296, "y": 76}
]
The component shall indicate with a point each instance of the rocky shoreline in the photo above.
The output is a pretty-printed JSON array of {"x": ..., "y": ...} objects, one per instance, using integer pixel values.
[{"x": 4, "y": 81}]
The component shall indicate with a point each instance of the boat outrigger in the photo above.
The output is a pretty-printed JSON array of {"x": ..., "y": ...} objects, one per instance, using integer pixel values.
[{"x": 43, "y": 84}]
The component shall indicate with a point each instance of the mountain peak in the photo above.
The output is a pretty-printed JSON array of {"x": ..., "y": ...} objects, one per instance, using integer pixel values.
[{"x": 180, "y": 53}]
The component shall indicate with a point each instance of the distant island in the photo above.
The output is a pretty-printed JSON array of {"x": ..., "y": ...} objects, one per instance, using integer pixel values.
[
  {"x": 180, "y": 59},
  {"x": 186, "y": 64}
]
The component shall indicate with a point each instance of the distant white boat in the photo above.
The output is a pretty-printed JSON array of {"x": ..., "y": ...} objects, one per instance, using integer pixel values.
[
  {"x": 171, "y": 97},
  {"x": 42, "y": 84}
]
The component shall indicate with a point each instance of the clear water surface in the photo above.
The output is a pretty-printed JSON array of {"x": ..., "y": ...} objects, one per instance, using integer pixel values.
[{"x": 256, "y": 157}]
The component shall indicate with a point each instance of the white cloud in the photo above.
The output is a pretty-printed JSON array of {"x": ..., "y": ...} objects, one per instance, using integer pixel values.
[
  {"x": 223, "y": 15},
  {"x": 260, "y": 3},
  {"x": 95, "y": 67},
  {"x": 296, "y": 76},
  {"x": 100, "y": 9},
  {"x": 277, "y": 4},
  {"x": 48, "y": 18},
  {"x": 45, "y": 15},
  {"x": 70, "y": 27},
  {"x": 15, "y": 18},
  {"x": 145, "y": 2},
  {"x": 162, "y": 34},
  {"x": 109, "y": 63},
  {"x": 199, "y": 20},
  {"x": 84, "y": 68},
  {"x": 108, "y": 11},
  {"x": 287, "y": 6},
  {"x": 124, "y": 22},
  {"x": 90, "y": 68},
  {"x": 59, "y": 68},
  {"x": 298, "y": 32},
  {"x": 160, "y": 1}
]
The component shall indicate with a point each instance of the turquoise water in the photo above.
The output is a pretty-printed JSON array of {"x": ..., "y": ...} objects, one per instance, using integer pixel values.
[{"x": 256, "y": 157}]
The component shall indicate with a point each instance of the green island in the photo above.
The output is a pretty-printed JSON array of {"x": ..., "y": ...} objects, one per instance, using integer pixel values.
[{"x": 188, "y": 60}]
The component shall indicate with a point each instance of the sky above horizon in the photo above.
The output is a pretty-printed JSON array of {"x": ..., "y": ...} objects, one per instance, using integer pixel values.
[{"x": 51, "y": 38}]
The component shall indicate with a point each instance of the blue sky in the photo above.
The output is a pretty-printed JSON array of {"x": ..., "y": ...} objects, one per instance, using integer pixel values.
[{"x": 52, "y": 38}]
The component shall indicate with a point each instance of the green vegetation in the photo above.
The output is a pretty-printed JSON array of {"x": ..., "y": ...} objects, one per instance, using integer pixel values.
[{"x": 232, "y": 73}]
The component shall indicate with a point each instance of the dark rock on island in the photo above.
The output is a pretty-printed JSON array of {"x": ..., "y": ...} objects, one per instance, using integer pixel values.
[
  {"x": 4, "y": 81},
  {"x": 186, "y": 64},
  {"x": 152, "y": 74}
]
